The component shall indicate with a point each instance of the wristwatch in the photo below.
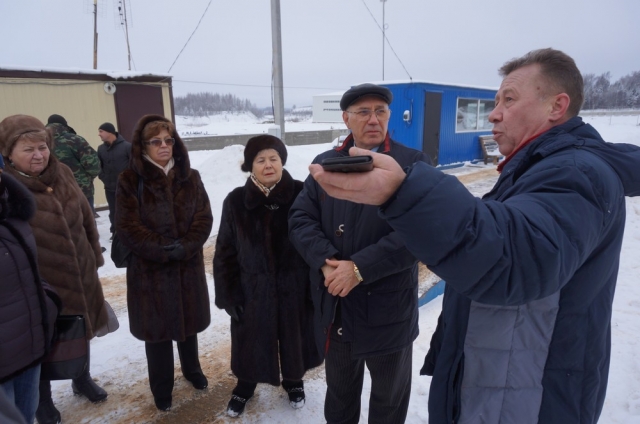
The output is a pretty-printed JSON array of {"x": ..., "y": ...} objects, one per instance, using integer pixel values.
[{"x": 357, "y": 272}]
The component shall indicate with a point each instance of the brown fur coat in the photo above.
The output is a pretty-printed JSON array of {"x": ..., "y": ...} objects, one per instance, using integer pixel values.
[
  {"x": 68, "y": 243},
  {"x": 256, "y": 266},
  {"x": 167, "y": 300}
]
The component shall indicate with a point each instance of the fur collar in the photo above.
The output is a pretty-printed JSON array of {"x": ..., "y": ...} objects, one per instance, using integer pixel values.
[
  {"x": 19, "y": 202},
  {"x": 282, "y": 193},
  {"x": 42, "y": 182}
]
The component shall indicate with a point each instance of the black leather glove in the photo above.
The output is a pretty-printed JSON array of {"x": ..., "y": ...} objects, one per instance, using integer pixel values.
[
  {"x": 177, "y": 252},
  {"x": 235, "y": 312}
]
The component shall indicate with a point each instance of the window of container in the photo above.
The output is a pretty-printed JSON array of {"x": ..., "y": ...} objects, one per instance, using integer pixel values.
[{"x": 473, "y": 115}]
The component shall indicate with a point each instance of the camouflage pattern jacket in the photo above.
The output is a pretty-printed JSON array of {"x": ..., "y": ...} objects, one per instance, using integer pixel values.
[{"x": 75, "y": 152}]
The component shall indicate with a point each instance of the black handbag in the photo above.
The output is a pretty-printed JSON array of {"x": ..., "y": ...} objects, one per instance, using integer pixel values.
[
  {"x": 69, "y": 352},
  {"x": 121, "y": 254}
]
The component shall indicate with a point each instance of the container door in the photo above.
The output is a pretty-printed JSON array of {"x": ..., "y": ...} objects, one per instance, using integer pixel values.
[
  {"x": 431, "y": 131},
  {"x": 133, "y": 101}
]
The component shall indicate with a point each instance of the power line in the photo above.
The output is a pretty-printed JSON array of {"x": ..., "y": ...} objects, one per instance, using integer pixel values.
[
  {"x": 385, "y": 37},
  {"x": 194, "y": 31}
]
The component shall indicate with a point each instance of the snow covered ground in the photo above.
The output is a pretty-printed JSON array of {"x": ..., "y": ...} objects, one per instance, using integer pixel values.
[
  {"x": 118, "y": 360},
  {"x": 231, "y": 123}
]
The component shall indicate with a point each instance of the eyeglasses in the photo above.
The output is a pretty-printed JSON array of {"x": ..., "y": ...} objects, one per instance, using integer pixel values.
[
  {"x": 365, "y": 114},
  {"x": 156, "y": 142}
]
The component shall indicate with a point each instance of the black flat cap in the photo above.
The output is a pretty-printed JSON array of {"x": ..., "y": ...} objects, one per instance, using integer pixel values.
[{"x": 354, "y": 93}]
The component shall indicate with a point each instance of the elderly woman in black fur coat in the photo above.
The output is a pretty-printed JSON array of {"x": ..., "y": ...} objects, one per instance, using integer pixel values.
[
  {"x": 165, "y": 224},
  {"x": 261, "y": 280}
]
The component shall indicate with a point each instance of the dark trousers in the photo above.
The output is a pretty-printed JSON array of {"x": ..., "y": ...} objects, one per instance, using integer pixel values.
[
  {"x": 160, "y": 364},
  {"x": 390, "y": 384},
  {"x": 111, "y": 201},
  {"x": 90, "y": 199}
]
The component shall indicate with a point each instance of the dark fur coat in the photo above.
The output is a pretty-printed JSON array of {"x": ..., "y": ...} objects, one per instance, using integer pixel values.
[
  {"x": 255, "y": 266},
  {"x": 167, "y": 300},
  {"x": 68, "y": 243}
]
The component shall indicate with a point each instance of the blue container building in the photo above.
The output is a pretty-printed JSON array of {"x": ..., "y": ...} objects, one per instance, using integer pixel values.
[{"x": 442, "y": 120}]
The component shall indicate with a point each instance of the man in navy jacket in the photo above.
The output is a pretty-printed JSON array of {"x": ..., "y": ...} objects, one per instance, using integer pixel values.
[
  {"x": 364, "y": 281},
  {"x": 524, "y": 335}
]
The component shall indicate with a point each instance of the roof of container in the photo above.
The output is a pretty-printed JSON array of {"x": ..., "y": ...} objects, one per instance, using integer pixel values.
[
  {"x": 398, "y": 82},
  {"x": 79, "y": 71}
]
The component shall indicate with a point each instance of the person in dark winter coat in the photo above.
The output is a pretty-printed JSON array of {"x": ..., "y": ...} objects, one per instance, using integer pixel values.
[
  {"x": 75, "y": 152},
  {"x": 364, "y": 282},
  {"x": 262, "y": 282},
  {"x": 114, "y": 155},
  {"x": 525, "y": 331},
  {"x": 167, "y": 293},
  {"x": 28, "y": 306},
  {"x": 66, "y": 236}
]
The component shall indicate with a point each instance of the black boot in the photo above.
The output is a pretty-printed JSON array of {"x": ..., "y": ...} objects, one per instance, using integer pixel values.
[
  {"x": 47, "y": 412},
  {"x": 85, "y": 386},
  {"x": 295, "y": 390}
]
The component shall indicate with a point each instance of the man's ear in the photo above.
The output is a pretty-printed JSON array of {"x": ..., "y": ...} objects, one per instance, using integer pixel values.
[
  {"x": 345, "y": 118},
  {"x": 559, "y": 105}
]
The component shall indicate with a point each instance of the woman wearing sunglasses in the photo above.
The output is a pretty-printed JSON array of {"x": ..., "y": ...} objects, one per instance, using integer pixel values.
[{"x": 165, "y": 225}]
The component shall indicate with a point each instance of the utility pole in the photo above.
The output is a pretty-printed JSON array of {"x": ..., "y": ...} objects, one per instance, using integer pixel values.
[
  {"x": 384, "y": 27},
  {"x": 95, "y": 34},
  {"x": 276, "y": 58}
]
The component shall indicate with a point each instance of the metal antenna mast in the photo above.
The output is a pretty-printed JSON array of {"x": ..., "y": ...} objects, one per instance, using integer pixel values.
[{"x": 123, "y": 16}]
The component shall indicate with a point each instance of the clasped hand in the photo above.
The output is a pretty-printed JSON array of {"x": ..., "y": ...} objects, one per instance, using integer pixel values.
[
  {"x": 176, "y": 251},
  {"x": 339, "y": 277}
]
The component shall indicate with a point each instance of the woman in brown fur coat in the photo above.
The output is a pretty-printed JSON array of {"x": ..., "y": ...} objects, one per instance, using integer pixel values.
[
  {"x": 261, "y": 280},
  {"x": 67, "y": 239},
  {"x": 165, "y": 226}
]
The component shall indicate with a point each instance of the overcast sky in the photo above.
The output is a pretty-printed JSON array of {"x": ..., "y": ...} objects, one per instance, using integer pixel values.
[{"x": 328, "y": 45}]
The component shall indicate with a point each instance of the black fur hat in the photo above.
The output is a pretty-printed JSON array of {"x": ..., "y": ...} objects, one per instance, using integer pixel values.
[{"x": 259, "y": 143}]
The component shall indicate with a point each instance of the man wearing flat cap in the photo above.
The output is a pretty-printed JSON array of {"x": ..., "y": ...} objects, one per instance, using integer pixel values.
[
  {"x": 114, "y": 156},
  {"x": 364, "y": 282},
  {"x": 75, "y": 152}
]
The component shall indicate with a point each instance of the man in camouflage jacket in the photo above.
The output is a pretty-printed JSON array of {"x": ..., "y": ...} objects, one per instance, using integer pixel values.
[{"x": 75, "y": 152}]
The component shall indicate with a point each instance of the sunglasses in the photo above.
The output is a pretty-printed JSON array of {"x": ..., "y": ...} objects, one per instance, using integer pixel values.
[{"x": 156, "y": 142}]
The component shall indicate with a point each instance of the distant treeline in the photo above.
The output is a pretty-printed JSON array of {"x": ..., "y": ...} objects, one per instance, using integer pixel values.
[
  {"x": 601, "y": 93},
  {"x": 204, "y": 104}
]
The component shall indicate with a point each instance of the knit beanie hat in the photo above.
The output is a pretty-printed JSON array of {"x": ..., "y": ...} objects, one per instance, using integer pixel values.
[
  {"x": 108, "y": 127},
  {"x": 57, "y": 119},
  {"x": 259, "y": 143},
  {"x": 12, "y": 127}
]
